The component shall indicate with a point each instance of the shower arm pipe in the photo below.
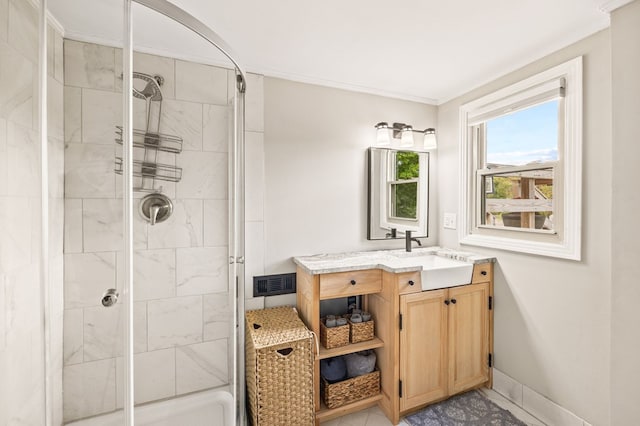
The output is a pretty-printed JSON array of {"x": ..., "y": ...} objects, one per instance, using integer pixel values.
[{"x": 170, "y": 10}]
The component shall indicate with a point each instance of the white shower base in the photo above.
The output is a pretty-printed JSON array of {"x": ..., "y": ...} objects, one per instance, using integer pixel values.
[{"x": 206, "y": 408}]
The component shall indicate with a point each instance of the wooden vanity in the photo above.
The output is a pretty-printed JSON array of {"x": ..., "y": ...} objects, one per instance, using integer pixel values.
[{"x": 429, "y": 344}]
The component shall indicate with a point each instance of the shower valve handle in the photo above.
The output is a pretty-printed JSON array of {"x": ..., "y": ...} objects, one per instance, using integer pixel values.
[{"x": 155, "y": 209}]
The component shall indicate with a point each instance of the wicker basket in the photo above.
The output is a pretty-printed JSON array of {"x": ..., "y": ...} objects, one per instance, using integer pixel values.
[
  {"x": 279, "y": 368},
  {"x": 333, "y": 337},
  {"x": 361, "y": 331},
  {"x": 338, "y": 394}
]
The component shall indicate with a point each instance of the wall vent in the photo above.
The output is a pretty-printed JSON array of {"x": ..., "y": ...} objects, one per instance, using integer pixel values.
[{"x": 271, "y": 285}]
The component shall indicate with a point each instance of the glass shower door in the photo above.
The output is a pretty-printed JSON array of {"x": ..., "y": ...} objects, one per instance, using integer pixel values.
[
  {"x": 24, "y": 218},
  {"x": 94, "y": 315},
  {"x": 184, "y": 135},
  {"x": 151, "y": 260}
]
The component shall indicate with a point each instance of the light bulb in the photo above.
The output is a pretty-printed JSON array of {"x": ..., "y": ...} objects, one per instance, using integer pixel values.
[
  {"x": 382, "y": 134},
  {"x": 430, "y": 141},
  {"x": 406, "y": 139}
]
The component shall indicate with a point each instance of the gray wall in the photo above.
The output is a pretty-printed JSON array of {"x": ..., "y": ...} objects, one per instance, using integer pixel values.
[
  {"x": 315, "y": 168},
  {"x": 552, "y": 316},
  {"x": 625, "y": 341}
]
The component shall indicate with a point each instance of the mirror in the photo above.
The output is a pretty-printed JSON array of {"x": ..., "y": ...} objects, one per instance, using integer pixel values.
[{"x": 398, "y": 193}]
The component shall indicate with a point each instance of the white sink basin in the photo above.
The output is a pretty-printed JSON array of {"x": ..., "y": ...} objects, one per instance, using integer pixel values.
[{"x": 442, "y": 272}]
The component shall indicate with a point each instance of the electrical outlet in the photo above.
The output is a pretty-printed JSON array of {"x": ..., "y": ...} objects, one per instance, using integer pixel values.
[{"x": 450, "y": 221}]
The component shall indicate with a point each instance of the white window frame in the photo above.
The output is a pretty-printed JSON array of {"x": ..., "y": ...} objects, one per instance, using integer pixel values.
[
  {"x": 388, "y": 168},
  {"x": 566, "y": 241},
  {"x": 394, "y": 184}
]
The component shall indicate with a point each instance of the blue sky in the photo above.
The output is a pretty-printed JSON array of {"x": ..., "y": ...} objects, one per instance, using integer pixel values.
[{"x": 526, "y": 136}]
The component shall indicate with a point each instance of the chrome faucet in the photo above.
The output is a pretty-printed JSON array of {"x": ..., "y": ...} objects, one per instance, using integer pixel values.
[{"x": 408, "y": 239}]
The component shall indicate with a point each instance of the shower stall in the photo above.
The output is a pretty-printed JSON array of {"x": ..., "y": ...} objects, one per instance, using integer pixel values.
[{"x": 122, "y": 207}]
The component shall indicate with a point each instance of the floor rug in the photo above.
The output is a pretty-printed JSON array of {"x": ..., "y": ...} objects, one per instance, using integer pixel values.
[{"x": 471, "y": 408}]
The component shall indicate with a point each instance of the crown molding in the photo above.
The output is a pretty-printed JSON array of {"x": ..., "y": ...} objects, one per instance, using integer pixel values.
[
  {"x": 346, "y": 86},
  {"x": 612, "y": 5},
  {"x": 53, "y": 21},
  {"x": 532, "y": 56},
  {"x": 254, "y": 70}
]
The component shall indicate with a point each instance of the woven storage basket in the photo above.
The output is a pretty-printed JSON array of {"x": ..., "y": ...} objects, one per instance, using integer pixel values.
[
  {"x": 279, "y": 368},
  {"x": 333, "y": 337},
  {"x": 360, "y": 331},
  {"x": 338, "y": 394}
]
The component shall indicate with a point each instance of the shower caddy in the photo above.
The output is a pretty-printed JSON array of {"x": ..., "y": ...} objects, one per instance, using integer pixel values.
[{"x": 150, "y": 142}]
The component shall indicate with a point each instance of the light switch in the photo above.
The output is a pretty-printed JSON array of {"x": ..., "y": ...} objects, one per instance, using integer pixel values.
[{"x": 450, "y": 221}]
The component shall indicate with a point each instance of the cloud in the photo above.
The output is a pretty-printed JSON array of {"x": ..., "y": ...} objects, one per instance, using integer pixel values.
[{"x": 519, "y": 158}]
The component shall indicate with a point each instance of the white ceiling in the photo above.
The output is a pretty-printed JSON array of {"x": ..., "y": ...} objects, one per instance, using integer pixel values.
[{"x": 424, "y": 50}]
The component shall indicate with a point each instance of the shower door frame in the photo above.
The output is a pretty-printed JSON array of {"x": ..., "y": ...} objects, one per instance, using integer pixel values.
[
  {"x": 236, "y": 199},
  {"x": 45, "y": 297}
]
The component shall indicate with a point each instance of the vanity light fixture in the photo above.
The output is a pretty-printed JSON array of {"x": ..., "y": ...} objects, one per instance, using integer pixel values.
[{"x": 404, "y": 132}]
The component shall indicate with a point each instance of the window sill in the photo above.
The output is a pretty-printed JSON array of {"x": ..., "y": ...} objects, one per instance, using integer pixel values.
[
  {"x": 558, "y": 250},
  {"x": 522, "y": 230}
]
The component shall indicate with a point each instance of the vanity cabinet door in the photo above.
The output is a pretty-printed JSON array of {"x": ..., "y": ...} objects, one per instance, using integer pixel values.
[
  {"x": 468, "y": 336},
  {"x": 444, "y": 343},
  {"x": 423, "y": 348}
]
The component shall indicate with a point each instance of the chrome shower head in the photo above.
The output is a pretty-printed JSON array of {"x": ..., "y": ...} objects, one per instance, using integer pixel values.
[{"x": 151, "y": 90}]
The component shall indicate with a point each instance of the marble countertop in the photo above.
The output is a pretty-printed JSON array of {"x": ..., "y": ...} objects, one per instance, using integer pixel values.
[{"x": 394, "y": 261}]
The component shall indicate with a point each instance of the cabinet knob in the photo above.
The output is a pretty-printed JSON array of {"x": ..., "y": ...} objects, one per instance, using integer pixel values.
[
  {"x": 483, "y": 272},
  {"x": 453, "y": 301},
  {"x": 353, "y": 282},
  {"x": 446, "y": 302},
  {"x": 411, "y": 282}
]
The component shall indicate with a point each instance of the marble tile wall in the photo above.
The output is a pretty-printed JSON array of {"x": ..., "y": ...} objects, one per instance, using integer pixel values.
[
  {"x": 183, "y": 310},
  {"x": 21, "y": 332}
]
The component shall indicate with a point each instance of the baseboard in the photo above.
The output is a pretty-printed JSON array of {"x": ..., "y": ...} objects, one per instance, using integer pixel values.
[{"x": 534, "y": 403}]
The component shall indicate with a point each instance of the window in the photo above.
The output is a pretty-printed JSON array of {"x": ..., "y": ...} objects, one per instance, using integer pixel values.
[
  {"x": 518, "y": 154},
  {"x": 403, "y": 185},
  {"x": 521, "y": 165}
]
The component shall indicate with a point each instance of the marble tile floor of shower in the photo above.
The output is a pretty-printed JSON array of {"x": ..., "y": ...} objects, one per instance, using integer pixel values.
[{"x": 374, "y": 416}]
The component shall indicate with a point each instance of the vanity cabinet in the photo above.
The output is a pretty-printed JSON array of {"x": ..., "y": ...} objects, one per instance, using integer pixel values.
[
  {"x": 429, "y": 344},
  {"x": 444, "y": 343}
]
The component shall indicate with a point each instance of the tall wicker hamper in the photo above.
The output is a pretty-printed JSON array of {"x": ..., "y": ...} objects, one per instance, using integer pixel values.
[{"x": 279, "y": 368}]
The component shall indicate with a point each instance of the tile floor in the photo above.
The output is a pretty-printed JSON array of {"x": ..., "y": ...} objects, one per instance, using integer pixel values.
[{"x": 374, "y": 416}]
